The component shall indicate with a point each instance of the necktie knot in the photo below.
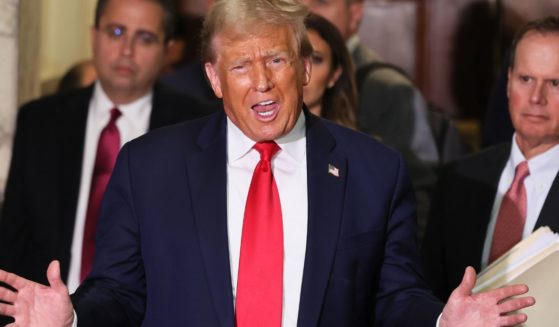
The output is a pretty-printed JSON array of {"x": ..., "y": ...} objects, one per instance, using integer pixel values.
[
  {"x": 521, "y": 172},
  {"x": 267, "y": 149},
  {"x": 115, "y": 114}
]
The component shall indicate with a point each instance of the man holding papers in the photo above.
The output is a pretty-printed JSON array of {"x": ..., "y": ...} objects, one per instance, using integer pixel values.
[{"x": 487, "y": 203}]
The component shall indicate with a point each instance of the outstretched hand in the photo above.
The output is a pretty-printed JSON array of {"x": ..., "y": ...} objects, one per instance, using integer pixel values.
[
  {"x": 486, "y": 309},
  {"x": 35, "y": 304}
]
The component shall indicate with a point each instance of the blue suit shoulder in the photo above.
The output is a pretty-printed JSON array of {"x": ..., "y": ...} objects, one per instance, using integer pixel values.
[{"x": 361, "y": 145}]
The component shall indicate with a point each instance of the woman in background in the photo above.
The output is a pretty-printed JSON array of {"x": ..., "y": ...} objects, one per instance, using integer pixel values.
[{"x": 331, "y": 92}]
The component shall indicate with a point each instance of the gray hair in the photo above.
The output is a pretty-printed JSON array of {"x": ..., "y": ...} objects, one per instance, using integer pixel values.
[{"x": 245, "y": 15}]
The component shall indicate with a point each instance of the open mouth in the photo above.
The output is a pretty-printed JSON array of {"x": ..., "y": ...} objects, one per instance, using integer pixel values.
[{"x": 266, "y": 110}]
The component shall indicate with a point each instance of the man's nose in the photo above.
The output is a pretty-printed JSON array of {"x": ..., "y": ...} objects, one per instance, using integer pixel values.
[
  {"x": 261, "y": 78},
  {"x": 127, "y": 46},
  {"x": 538, "y": 95}
]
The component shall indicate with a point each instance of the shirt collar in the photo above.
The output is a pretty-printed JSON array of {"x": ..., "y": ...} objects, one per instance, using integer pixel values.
[
  {"x": 293, "y": 143},
  {"x": 540, "y": 163},
  {"x": 102, "y": 104}
]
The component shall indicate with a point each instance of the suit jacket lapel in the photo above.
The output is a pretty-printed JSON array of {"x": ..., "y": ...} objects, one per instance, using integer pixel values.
[
  {"x": 207, "y": 178},
  {"x": 326, "y": 199},
  {"x": 71, "y": 138},
  {"x": 490, "y": 174},
  {"x": 548, "y": 215}
]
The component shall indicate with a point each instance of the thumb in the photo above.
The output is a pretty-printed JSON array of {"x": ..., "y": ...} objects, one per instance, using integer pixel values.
[
  {"x": 53, "y": 275},
  {"x": 468, "y": 282}
]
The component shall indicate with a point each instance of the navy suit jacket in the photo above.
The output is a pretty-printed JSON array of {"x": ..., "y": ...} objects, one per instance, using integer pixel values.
[{"x": 162, "y": 246}]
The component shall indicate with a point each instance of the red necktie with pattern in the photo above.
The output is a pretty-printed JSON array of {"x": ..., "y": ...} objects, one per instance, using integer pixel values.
[
  {"x": 512, "y": 215},
  {"x": 260, "y": 281},
  {"x": 107, "y": 151}
]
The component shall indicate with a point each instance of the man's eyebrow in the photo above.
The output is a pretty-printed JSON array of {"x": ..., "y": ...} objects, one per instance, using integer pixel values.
[
  {"x": 274, "y": 53},
  {"x": 240, "y": 60}
]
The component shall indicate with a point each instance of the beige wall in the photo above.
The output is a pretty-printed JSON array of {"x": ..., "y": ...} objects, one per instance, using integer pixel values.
[
  {"x": 64, "y": 35},
  {"x": 8, "y": 82},
  {"x": 39, "y": 41}
]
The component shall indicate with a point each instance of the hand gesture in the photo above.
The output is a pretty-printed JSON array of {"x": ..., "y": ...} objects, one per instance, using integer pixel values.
[
  {"x": 486, "y": 309},
  {"x": 35, "y": 304}
]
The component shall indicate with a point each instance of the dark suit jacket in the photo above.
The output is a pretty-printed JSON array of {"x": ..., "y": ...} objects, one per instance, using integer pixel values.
[
  {"x": 162, "y": 249},
  {"x": 42, "y": 191},
  {"x": 387, "y": 109},
  {"x": 461, "y": 212}
]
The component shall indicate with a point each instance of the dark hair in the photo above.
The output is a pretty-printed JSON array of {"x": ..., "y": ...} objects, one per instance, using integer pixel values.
[
  {"x": 549, "y": 24},
  {"x": 339, "y": 102},
  {"x": 168, "y": 9}
]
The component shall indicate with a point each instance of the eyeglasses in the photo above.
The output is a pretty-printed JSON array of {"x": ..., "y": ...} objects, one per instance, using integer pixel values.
[{"x": 142, "y": 37}]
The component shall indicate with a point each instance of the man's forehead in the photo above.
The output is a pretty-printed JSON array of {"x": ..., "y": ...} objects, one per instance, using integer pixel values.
[
  {"x": 143, "y": 14},
  {"x": 257, "y": 41}
]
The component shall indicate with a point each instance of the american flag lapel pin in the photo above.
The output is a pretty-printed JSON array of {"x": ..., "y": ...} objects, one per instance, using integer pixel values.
[{"x": 333, "y": 170}]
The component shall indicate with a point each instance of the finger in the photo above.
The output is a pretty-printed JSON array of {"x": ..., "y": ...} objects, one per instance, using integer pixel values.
[
  {"x": 7, "y": 295},
  {"x": 53, "y": 275},
  {"x": 468, "y": 282},
  {"x": 505, "y": 292},
  {"x": 516, "y": 304},
  {"x": 7, "y": 309},
  {"x": 512, "y": 320},
  {"x": 13, "y": 280}
]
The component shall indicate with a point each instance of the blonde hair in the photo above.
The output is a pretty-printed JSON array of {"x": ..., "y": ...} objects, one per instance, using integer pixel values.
[{"x": 247, "y": 15}]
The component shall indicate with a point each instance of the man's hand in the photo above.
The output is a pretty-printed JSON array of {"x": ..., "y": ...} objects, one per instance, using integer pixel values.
[
  {"x": 34, "y": 304},
  {"x": 485, "y": 309}
]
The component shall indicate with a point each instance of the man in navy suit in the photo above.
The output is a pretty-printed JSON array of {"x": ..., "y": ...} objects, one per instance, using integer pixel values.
[{"x": 169, "y": 235}]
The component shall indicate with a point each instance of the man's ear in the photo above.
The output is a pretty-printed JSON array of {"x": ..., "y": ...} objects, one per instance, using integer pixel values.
[
  {"x": 169, "y": 45},
  {"x": 307, "y": 66},
  {"x": 355, "y": 16},
  {"x": 211, "y": 73}
]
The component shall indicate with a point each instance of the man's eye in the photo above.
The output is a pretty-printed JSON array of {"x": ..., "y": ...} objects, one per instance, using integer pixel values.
[
  {"x": 525, "y": 78},
  {"x": 238, "y": 68},
  {"x": 147, "y": 38},
  {"x": 277, "y": 61},
  {"x": 554, "y": 83},
  {"x": 115, "y": 32}
]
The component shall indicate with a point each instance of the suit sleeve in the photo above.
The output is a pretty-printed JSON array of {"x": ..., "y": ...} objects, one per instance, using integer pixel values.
[
  {"x": 433, "y": 249},
  {"x": 114, "y": 293},
  {"x": 403, "y": 298}
]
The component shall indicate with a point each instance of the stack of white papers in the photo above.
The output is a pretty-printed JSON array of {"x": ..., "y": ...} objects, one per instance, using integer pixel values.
[{"x": 534, "y": 262}]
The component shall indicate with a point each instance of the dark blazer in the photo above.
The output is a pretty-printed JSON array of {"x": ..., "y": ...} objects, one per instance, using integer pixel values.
[
  {"x": 461, "y": 211},
  {"x": 42, "y": 191},
  {"x": 389, "y": 109},
  {"x": 162, "y": 249}
]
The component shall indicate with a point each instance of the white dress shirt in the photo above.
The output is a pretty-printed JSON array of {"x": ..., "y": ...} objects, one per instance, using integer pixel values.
[
  {"x": 543, "y": 169},
  {"x": 289, "y": 167},
  {"x": 133, "y": 122}
]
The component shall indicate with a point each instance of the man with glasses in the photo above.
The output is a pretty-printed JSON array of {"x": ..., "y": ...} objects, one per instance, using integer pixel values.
[{"x": 65, "y": 145}]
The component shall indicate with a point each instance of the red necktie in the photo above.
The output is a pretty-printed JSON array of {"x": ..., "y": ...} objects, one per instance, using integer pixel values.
[
  {"x": 260, "y": 282},
  {"x": 107, "y": 151},
  {"x": 512, "y": 215}
]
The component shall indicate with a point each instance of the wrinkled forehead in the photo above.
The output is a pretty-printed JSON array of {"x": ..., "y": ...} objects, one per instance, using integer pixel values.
[{"x": 271, "y": 38}]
